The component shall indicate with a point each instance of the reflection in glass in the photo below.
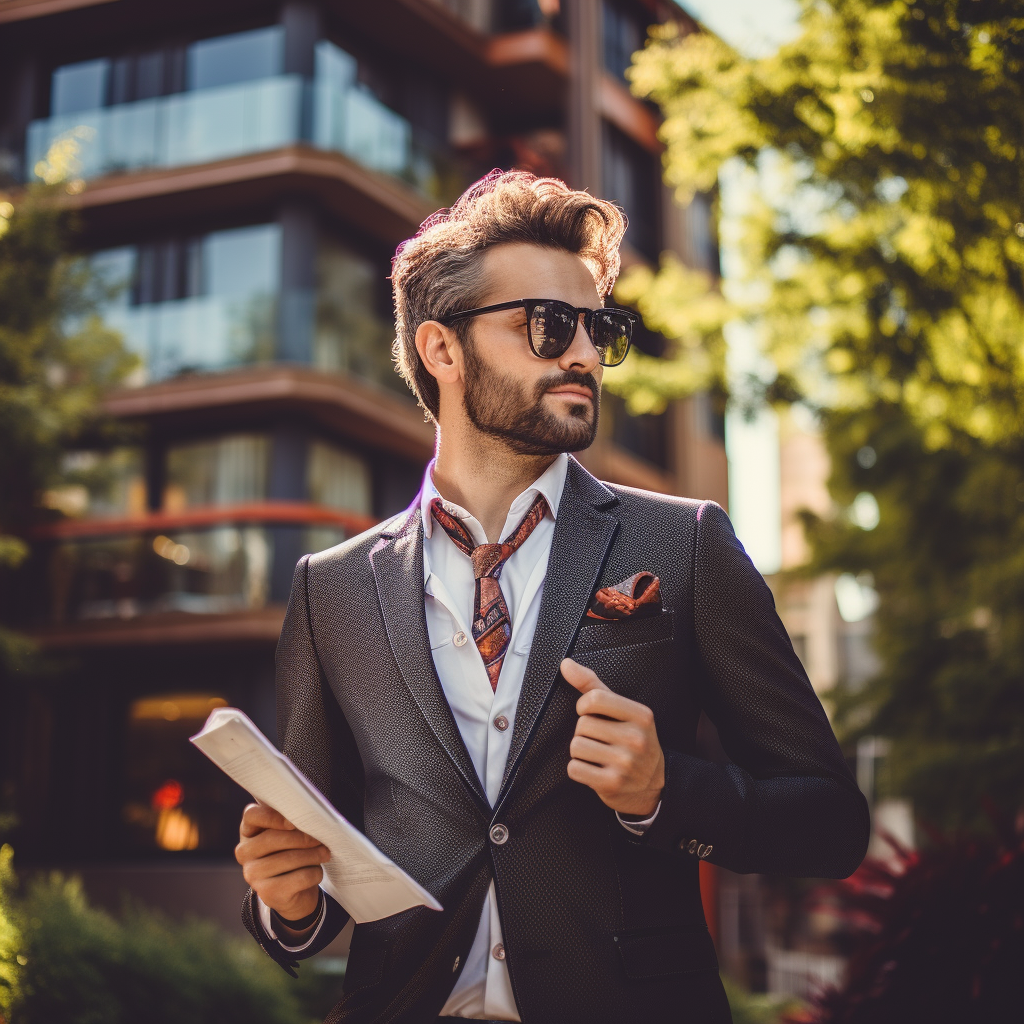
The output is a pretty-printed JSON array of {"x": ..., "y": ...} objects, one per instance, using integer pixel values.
[
  {"x": 338, "y": 479},
  {"x": 240, "y": 57},
  {"x": 78, "y": 87},
  {"x": 196, "y": 304},
  {"x": 100, "y": 485},
  {"x": 350, "y": 335},
  {"x": 223, "y": 569},
  {"x": 223, "y": 471}
]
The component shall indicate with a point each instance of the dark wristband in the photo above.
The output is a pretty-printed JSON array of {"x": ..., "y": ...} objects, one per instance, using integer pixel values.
[{"x": 303, "y": 922}]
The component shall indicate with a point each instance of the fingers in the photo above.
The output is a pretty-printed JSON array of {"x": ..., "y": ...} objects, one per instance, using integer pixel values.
[
  {"x": 287, "y": 863},
  {"x": 257, "y": 817},
  {"x": 292, "y": 895},
  {"x": 581, "y": 677},
  {"x": 273, "y": 840},
  {"x": 602, "y": 755},
  {"x": 626, "y": 734}
]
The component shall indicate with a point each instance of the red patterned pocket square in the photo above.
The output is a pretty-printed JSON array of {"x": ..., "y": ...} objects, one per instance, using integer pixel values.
[{"x": 638, "y": 595}]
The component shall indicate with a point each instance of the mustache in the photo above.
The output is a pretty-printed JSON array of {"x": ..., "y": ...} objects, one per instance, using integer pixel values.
[{"x": 586, "y": 380}]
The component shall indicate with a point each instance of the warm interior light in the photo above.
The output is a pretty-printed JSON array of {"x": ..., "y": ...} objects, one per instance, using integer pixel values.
[
  {"x": 172, "y": 707},
  {"x": 175, "y": 830}
]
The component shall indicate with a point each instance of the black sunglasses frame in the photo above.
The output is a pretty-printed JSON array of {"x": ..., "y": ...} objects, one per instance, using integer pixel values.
[{"x": 589, "y": 315}]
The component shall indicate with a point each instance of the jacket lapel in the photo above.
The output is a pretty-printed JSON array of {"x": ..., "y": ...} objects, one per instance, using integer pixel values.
[
  {"x": 397, "y": 562},
  {"x": 583, "y": 534}
]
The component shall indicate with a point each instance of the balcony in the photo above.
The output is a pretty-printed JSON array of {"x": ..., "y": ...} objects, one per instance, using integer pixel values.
[
  {"x": 214, "y": 124},
  {"x": 98, "y": 576}
]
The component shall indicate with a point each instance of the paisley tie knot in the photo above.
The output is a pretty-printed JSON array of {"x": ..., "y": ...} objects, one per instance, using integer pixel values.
[{"x": 492, "y": 624}]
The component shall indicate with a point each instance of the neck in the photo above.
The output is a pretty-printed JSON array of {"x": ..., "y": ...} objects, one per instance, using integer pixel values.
[{"x": 484, "y": 477}]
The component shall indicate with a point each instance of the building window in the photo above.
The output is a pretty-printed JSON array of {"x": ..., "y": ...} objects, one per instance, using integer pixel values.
[
  {"x": 224, "y": 471},
  {"x": 630, "y": 177},
  {"x": 101, "y": 485},
  {"x": 200, "y": 303},
  {"x": 174, "y": 800},
  {"x": 645, "y": 436},
  {"x": 351, "y": 335},
  {"x": 623, "y": 33},
  {"x": 240, "y": 57},
  {"x": 338, "y": 479}
]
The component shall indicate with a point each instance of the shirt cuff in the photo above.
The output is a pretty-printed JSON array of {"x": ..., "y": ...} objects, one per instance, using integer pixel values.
[
  {"x": 638, "y": 828},
  {"x": 265, "y": 920}
]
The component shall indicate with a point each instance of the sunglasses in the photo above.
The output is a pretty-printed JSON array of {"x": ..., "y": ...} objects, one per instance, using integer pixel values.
[{"x": 551, "y": 327}]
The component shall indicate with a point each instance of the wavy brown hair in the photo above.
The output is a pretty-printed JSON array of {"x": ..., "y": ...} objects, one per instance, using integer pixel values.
[{"x": 437, "y": 271}]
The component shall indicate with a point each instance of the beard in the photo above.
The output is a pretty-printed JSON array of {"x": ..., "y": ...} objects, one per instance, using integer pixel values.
[{"x": 503, "y": 406}]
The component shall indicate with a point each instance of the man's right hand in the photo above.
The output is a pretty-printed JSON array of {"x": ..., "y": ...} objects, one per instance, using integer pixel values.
[{"x": 281, "y": 863}]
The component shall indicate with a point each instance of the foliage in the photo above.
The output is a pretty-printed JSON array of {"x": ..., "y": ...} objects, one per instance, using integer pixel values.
[
  {"x": 683, "y": 305},
  {"x": 943, "y": 937},
  {"x": 947, "y": 559},
  {"x": 65, "y": 962},
  {"x": 756, "y": 1008},
  {"x": 56, "y": 360},
  {"x": 884, "y": 257},
  {"x": 10, "y": 936}
]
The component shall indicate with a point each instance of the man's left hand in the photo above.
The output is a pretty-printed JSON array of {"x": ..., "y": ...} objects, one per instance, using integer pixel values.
[{"x": 615, "y": 750}]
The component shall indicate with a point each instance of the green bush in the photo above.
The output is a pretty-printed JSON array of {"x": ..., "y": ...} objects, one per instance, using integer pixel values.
[
  {"x": 757, "y": 1008},
  {"x": 64, "y": 962}
]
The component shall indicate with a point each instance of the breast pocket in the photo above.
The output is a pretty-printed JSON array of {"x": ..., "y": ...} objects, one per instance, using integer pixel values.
[
  {"x": 631, "y": 658},
  {"x": 599, "y": 636}
]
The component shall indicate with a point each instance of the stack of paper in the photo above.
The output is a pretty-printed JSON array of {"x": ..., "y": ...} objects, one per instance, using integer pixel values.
[{"x": 361, "y": 878}]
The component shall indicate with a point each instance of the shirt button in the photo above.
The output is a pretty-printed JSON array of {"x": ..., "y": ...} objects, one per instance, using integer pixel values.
[
  {"x": 501, "y": 723},
  {"x": 499, "y": 834},
  {"x": 498, "y": 952},
  {"x": 455, "y": 966},
  {"x": 460, "y": 639}
]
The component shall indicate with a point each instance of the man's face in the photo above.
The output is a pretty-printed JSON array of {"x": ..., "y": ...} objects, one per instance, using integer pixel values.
[{"x": 536, "y": 406}]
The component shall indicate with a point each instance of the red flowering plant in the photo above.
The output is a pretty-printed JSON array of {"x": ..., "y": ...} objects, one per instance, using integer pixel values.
[{"x": 940, "y": 936}]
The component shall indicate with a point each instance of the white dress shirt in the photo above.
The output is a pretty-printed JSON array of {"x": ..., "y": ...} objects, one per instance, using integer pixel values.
[{"x": 485, "y": 719}]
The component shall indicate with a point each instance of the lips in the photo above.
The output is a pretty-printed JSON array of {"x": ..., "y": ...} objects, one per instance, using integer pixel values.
[{"x": 580, "y": 392}]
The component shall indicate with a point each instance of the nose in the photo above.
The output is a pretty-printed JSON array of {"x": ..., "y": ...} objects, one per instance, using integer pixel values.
[{"x": 581, "y": 355}]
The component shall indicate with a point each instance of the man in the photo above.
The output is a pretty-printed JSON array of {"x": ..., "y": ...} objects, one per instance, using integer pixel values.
[{"x": 502, "y": 685}]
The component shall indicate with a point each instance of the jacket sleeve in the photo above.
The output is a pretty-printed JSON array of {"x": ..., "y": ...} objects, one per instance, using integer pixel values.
[
  {"x": 315, "y": 735},
  {"x": 787, "y": 804}
]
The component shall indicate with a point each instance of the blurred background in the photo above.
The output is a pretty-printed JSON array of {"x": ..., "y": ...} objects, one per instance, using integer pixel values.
[{"x": 198, "y": 206}]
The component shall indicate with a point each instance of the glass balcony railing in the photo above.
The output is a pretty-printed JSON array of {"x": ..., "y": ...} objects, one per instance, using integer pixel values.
[
  {"x": 200, "y": 334},
  {"x": 187, "y": 128},
  {"x": 211, "y": 333},
  {"x": 214, "y": 124}
]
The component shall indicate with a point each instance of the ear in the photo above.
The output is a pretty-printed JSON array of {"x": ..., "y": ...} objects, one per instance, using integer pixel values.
[{"x": 439, "y": 349}]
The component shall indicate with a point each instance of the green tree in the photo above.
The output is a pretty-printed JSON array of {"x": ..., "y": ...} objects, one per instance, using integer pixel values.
[
  {"x": 56, "y": 360},
  {"x": 874, "y": 170},
  {"x": 885, "y": 258}
]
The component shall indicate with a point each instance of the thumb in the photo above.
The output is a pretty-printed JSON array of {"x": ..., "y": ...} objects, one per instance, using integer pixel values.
[{"x": 580, "y": 677}]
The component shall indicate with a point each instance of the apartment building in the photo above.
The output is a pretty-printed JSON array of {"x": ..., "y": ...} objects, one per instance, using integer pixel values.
[{"x": 249, "y": 167}]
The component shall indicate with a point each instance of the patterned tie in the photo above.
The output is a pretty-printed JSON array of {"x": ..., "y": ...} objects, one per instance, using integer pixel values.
[{"x": 492, "y": 627}]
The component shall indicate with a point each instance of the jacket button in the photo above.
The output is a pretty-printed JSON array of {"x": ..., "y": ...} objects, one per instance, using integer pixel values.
[
  {"x": 707, "y": 851},
  {"x": 459, "y": 639},
  {"x": 498, "y": 952},
  {"x": 692, "y": 847},
  {"x": 700, "y": 850},
  {"x": 499, "y": 834},
  {"x": 501, "y": 723},
  {"x": 682, "y": 845},
  {"x": 455, "y": 966}
]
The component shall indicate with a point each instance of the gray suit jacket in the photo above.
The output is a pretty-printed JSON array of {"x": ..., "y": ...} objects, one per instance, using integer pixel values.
[{"x": 599, "y": 925}]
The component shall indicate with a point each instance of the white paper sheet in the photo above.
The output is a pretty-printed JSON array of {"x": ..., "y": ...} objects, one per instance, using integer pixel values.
[{"x": 361, "y": 878}]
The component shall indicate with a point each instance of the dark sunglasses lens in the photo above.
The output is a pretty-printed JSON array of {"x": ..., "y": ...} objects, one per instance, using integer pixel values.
[
  {"x": 552, "y": 326},
  {"x": 612, "y": 331}
]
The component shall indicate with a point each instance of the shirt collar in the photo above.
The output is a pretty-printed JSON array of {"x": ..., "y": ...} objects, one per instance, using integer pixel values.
[{"x": 550, "y": 483}]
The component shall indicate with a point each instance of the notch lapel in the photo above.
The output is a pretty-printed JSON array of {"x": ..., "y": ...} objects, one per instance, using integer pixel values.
[
  {"x": 583, "y": 534},
  {"x": 397, "y": 562}
]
